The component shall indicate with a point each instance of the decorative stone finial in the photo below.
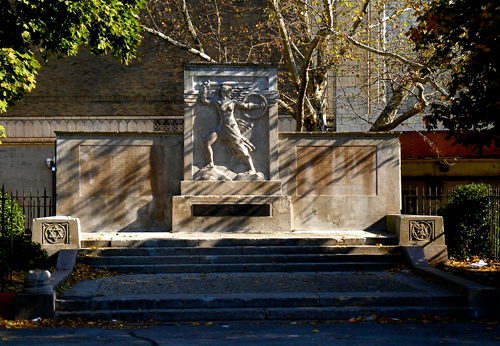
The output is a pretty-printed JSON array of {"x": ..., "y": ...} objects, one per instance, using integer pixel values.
[{"x": 37, "y": 281}]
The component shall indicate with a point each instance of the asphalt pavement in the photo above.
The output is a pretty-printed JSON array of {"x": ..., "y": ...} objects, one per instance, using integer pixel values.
[{"x": 340, "y": 333}]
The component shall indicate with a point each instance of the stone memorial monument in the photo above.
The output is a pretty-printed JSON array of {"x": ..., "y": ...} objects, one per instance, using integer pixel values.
[{"x": 231, "y": 169}]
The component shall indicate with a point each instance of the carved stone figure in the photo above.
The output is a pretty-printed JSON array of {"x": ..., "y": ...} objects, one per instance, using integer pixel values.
[{"x": 230, "y": 130}]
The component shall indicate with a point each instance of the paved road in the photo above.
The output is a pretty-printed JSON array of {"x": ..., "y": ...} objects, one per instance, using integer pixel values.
[{"x": 286, "y": 334}]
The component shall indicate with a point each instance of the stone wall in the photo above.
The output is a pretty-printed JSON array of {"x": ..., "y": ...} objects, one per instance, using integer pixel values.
[
  {"x": 24, "y": 166},
  {"x": 120, "y": 182},
  {"x": 340, "y": 181},
  {"x": 88, "y": 86}
]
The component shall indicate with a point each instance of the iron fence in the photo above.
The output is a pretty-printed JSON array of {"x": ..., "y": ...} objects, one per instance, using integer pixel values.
[
  {"x": 495, "y": 226},
  {"x": 6, "y": 238},
  {"x": 32, "y": 206},
  {"x": 428, "y": 201},
  {"x": 424, "y": 201}
]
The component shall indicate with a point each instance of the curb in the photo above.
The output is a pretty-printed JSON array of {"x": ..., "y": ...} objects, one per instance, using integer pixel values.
[{"x": 484, "y": 300}]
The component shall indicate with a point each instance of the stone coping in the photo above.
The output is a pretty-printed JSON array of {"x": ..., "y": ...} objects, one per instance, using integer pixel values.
[
  {"x": 346, "y": 135},
  {"x": 99, "y": 134},
  {"x": 228, "y": 64},
  {"x": 29, "y": 140},
  {"x": 178, "y": 235}
]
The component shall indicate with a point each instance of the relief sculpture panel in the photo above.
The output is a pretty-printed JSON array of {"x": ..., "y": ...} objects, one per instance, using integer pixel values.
[{"x": 237, "y": 107}]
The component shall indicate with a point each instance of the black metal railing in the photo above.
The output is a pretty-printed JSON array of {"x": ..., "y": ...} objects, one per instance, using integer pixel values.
[
  {"x": 6, "y": 238},
  {"x": 32, "y": 206},
  {"x": 424, "y": 201},
  {"x": 495, "y": 227},
  {"x": 428, "y": 201}
]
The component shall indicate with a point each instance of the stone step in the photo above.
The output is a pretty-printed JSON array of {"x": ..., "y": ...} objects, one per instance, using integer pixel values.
[
  {"x": 239, "y": 250},
  {"x": 247, "y": 267},
  {"x": 270, "y": 314},
  {"x": 235, "y": 259},
  {"x": 232, "y": 242},
  {"x": 262, "y": 306},
  {"x": 257, "y": 300}
]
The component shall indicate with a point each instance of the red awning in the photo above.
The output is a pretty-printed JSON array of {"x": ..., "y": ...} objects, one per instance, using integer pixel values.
[{"x": 414, "y": 145}]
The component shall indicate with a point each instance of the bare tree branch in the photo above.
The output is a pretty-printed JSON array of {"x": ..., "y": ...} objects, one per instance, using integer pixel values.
[
  {"x": 189, "y": 25},
  {"x": 430, "y": 80},
  {"x": 416, "y": 109},
  {"x": 305, "y": 80},
  {"x": 383, "y": 53},
  {"x": 288, "y": 109},
  {"x": 388, "y": 114},
  {"x": 290, "y": 60},
  {"x": 178, "y": 44},
  {"x": 329, "y": 13}
]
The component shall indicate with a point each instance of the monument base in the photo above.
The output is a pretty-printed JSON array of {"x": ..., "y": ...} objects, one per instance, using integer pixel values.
[
  {"x": 231, "y": 214},
  {"x": 231, "y": 188}
]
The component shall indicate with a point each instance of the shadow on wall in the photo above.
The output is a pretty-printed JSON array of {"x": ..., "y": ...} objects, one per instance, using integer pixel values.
[
  {"x": 119, "y": 182},
  {"x": 341, "y": 181}
]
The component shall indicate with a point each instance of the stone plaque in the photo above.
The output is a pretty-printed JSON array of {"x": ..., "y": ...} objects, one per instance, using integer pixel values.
[
  {"x": 336, "y": 170},
  {"x": 235, "y": 210},
  {"x": 121, "y": 170}
]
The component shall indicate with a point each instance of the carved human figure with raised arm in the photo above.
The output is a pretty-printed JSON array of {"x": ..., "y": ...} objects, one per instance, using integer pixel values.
[{"x": 228, "y": 128}]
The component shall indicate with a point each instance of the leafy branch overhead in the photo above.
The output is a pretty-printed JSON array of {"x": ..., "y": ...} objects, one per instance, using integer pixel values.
[
  {"x": 464, "y": 38},
  {"x": 31, "y": 30}
]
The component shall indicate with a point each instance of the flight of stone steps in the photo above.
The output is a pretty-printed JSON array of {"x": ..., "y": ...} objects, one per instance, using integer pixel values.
[
  {"x": 243, "y": 255},
  {"x": 261, "y": 260}
]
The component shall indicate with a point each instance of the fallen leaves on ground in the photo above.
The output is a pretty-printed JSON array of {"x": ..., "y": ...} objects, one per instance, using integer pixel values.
[
  {"x": 397, "y": 269},
  {"x": 15, "y": 282},
  {"x": 83, "y": 272},
  {"x": 80, "y": 273},
  {"x": 47, "y": 322},
  {"x": 488, "y": 275}
]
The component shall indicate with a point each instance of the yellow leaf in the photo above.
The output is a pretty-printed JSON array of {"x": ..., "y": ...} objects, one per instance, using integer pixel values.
[{"x": 315, "y": 331}]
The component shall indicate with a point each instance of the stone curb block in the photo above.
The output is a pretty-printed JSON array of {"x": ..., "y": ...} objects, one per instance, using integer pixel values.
[{"x": 484, "y": 300}]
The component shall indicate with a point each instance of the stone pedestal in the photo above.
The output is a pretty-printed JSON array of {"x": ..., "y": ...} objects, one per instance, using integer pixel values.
[
  {"x": 37, "y": 300},
  {"x": 231, "y": 167},
  {"x": 233, "y": 214},
  {"x": 426, "y": 231},
  {"x": 56, "y": 233}
]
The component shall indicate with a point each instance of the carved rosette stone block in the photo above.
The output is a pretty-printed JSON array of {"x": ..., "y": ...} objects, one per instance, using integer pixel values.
[{"x": 421, "y": 230}]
